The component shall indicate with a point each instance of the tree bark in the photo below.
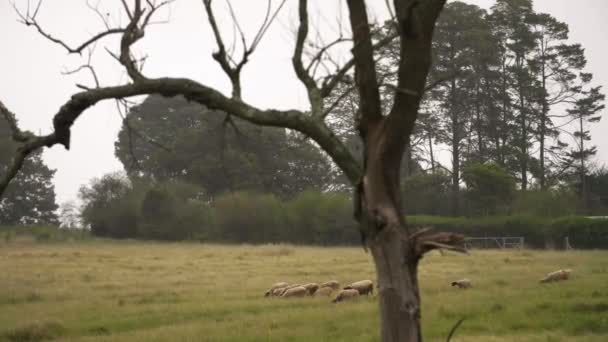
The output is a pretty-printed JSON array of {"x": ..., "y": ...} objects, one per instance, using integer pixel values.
[{"x": 384, "y": 223}]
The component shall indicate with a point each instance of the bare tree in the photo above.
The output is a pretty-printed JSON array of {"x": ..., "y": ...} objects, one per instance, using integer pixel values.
[{"x": 396, "y": 250}]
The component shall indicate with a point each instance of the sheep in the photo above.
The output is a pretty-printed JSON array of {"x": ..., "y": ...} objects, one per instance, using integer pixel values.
[
  {"x": 365, "y": 287},
  {"x": 282, "y": 290},
  {"x": 298, "y": 291},
  {"x": 462, "y": 283},
  {"x": 346, "y": 294},
  {"x": 557, "y": 276},
  {"x": 311, "y": 287},
  {"x": 323, "y": 291},
  {"x": 274, "y": 287},
  {"x": 333, "y": 284}
]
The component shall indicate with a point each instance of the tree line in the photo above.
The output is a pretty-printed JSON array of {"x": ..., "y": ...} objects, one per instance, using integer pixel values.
[{"x": 508, "y": 97}]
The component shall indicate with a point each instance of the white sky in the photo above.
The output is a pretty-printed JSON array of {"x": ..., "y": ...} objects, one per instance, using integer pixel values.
[{"x": 32, "y": 86}]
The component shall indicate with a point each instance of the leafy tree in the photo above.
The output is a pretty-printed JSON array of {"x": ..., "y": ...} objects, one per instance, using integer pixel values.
[
  {"x": 427, "y": 193},
  {"x": 170, "y": 138},
  {"x": 30, "y": 198},
  {"x": 69, "y": 215},
  {"x": 109, "y": 209},
  {"x": 489, "y": 187}
]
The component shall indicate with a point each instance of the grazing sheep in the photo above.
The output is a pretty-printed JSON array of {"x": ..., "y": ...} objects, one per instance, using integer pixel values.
[
  {"x": 557, "y": 276},
  {"x": 277, "y": 292},
  {"x": 298, "y": 291},
  {"x": 346, "y": 294},
  {"x": 282, "y": 290},
  {"x": 365, "y": 287},
  {"x": 323, "y": 291},
  {"x": 462, "y": 283},
  {"x": 311, "y": 287},
  {"x": 274, "y": 287},
  {"x": 333, "y": 284}
]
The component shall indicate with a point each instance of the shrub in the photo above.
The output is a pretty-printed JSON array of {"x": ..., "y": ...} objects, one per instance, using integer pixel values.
[
  {"x": 583, "y": 233},
  {"x": 490, "y": 188},
  {"x": 316, "y": 218},
  {"x": 248, "y": 217},
  {"x": 545, "y": 203}
]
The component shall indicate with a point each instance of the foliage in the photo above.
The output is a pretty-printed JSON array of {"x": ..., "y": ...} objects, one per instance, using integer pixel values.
[
  {"x": 30, "y": 198},
  {"x": 583, "y": 233},
  {"x": 41, "y": 233},
  {"x": 248, "y": 217},
  {"x": 321, "y": 219},
  {"x": 489, "y": 187},
  {"x": 115, "y": 207},
  {"x": 546, "y": 204},
  {"x": 173, "y": 139},
  {"x": 426, "y": 194},
  {"x": 110, "y": 208}
]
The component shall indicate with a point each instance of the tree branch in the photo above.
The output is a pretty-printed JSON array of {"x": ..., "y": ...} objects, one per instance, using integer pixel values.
[
  {"x": 230, "y": 67},
  {"x": 196, "y": 92},
  {"x": 314, "y": 95},
  {"x": 365, "y": 73},
  {"x": 30, "y": 20}
]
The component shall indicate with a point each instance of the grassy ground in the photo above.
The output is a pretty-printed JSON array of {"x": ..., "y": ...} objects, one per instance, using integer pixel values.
[{"x": 134, "y": 291}]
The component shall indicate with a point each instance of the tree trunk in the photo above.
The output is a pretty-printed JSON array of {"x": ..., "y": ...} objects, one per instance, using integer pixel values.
[
  {"x": 455, "y": 151},
  {"x": 523, "y": 143},
  {"x": 383, "y": 224},
  {"x": 542, "y": 128},
  {"x": 432, "y": 155}
]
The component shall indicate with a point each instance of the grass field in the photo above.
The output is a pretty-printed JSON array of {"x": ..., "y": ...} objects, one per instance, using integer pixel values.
[{"x": 136, "y": 291}]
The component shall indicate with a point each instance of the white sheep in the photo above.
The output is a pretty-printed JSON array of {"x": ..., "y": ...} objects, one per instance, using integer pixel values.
[
  {"x": 298, "y": 291},
  {"x": 333, "y": 284},
  {"x": 557, "y": 276},
  {"x": 365, "y": 287}
]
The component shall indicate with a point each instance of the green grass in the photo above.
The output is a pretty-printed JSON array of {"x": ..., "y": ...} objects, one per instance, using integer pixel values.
[{"x": 137, "y": 291}]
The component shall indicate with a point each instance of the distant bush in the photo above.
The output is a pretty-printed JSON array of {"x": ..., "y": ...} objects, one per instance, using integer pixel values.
[
  {"x": 426, "y": 193},
  {"x": 490, "y": 188},
  {"x": 249, "y": 217},
  {"x": 545, "y": 203},
  {"x": 42, "y": 233},
  {"x": 317, "y": 218},
  {"x": 582, "y": 232}
]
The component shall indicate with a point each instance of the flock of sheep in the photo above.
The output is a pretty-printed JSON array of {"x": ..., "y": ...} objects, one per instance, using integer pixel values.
[
  {"x": 365, "y": 287},
  {"x": 353, "y": 290}
]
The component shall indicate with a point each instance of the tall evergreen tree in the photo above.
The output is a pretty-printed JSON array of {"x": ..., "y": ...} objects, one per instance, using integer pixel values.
[
  {"x": 586, "y": 110},
  {"x": 30, "y": 198},
  {"x": 555, "y": 65}
]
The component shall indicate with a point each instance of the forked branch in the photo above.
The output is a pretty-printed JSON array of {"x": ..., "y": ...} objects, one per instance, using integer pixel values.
[{"x": 227, "y": 62}]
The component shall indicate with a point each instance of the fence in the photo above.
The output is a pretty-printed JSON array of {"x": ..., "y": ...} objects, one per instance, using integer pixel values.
[{"x": 510, "y": 242}]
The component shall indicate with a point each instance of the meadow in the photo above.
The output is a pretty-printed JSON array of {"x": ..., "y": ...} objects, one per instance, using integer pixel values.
[{"x": 143, "y": 291}]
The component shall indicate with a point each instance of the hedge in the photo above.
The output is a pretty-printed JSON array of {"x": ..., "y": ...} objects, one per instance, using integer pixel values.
[{"x": 583, "y": 233}]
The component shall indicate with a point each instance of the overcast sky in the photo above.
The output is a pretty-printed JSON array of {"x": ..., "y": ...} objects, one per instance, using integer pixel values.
[{"x": 32, "y": 86}]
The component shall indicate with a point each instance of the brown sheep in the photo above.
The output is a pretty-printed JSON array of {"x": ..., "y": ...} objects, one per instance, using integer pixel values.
[
  {"x": 274, "y": 287},
  {"x": 323, "y": 291},
  {"x": 365, "y": 287},
  {"x": 311, "y": 287},
  {"x": 462, "y": 283},
  {"x": 333, "y": 284},
  {"x": 557, "y": 276},
  {"x": 298, "y": 291},
  {"x": 346, "y": 295}
]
